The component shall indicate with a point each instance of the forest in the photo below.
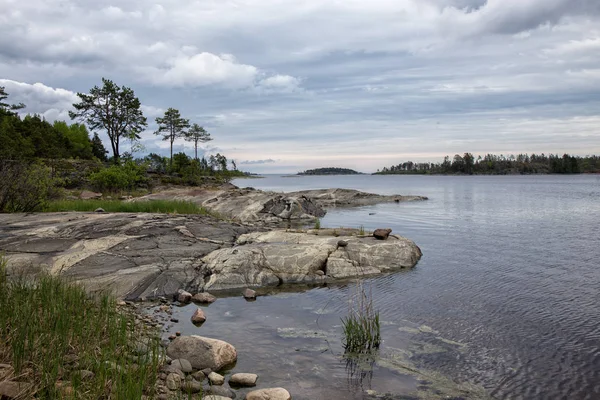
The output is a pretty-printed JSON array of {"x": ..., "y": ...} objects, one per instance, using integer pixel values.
[
  {"x": 329, "y": 171},
  {"x": 492, "y": 164}
]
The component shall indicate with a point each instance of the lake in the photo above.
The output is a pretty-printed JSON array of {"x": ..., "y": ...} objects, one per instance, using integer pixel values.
[{"x": 506, "y": 297}]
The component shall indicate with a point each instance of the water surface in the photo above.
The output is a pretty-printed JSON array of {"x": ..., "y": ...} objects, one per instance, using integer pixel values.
[{"x": 506, "y": 296}]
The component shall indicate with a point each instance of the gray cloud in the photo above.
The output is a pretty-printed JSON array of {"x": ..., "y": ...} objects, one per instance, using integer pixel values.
[
  {"x": 255, "y": 162},
  {"x": 355, "y": 84}
]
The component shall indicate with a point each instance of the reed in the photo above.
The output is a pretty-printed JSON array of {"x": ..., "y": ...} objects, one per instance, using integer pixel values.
[
  {"x": 65, "y": 344},
  {"x": 362, "y": 330}
]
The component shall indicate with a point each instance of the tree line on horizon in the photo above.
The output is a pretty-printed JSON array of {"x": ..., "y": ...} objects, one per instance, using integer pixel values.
[{"x": 492, "y": 164}]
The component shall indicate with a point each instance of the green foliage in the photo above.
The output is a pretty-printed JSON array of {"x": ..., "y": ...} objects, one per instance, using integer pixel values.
[
  {"x": 318, "y": 223},
  {"x": 171, "y": 127},
  {"x": 152, "y": 206},
  {"x": 491, "y": 164},
  {"x": 25, "y": 187},
  {"x": 361, "y": 327},
  {"x": 98, "y": 149},
  {"x": 197, "y": 134},
  {"x": 329, "y": 171},
  {"x": 78, "y": 139},
  {"x": 119, "y": 177},
  {"x": 361, "y": 230},
  {"x": 6, "y": 107},
  {"x": 51, "y": 329},
  {"x": 113, "y": 109}
]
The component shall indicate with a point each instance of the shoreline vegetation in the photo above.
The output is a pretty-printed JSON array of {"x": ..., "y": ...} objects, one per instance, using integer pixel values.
[
  {"x": 492, "y": 164},
  {"x": 330, "y": 171}
]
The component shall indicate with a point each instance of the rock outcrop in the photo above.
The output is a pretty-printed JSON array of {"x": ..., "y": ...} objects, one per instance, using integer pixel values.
[
  {"x": 203, "y": 352},
  {"x": 250, "y": 205},
  {"x": 276, "y": 257}
]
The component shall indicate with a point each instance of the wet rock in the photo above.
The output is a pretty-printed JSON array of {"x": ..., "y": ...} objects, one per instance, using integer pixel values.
[
  {"x": 243, "y": 379},
  {"x": 221, "y": 391},
  {"x": 198, "y": 316},
  {"x": 173, "y": 381},
  {"x": 249, "y": 294},
  {"x": 12, "y": 390},
  {"x": 182, "y": 364},
  {"x": 269, "y": 394},
  {"x": 203, "y": 352},
  {"x": 184, "y": 296},
  {"x": 216, "y": 379},
  {"x": 205, "y": 298},
  {"x": 88, "y": 195},
  {"x": 381, "y": 234}
]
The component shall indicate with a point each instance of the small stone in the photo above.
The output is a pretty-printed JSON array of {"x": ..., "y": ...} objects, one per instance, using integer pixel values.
[
  {"x": 199, "y": 376},
  {"x": 99, "y": 210},
  {"x": 121, "y": 303},
  {"x": 170, "y": 369},
  {"x": 182, "y": 364},
  {"x": 174, "y": 320},
  {"x": 342, "y": 243},
  {"x": 381, "y": 234},
  {"x": 85, "y": 374},
  {"x": 205, "y": 298},
  {"x": 198, "y": 316},
  {"x": 177, "y": 333},
  {"x": 271, "y": 394},
  {"x": 214, "y": 397},
  {"x": 221, "y": 391},
  {"x": 11, "y": 390},
  {"x": 183, "y": 296},
  {"x": 249, "y": 294},
  {"x": 216, "y": 379},
  {"x": 206, "y": 371},
  {"x": 172, "y": 337},
  {"x": 243, "y": 379},
  {"x": 319, "y": 272},
  {"x": 173, "y": 381},
  {"x": 191, "y": 386}
]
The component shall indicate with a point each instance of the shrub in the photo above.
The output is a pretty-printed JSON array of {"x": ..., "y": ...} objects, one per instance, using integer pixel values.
[
  {"x": 119, "y": 177},
  {"x": 25, "y": 187}
]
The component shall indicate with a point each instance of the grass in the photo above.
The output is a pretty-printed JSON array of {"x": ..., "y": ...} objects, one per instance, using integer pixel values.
[
  {"x": 151, "y": 206},
  {"x": 361, "y": 230},
  {"x": 318, "y": 223},
  {"x": 51, "y": 331},
  {"x": 362, "y": 330}
]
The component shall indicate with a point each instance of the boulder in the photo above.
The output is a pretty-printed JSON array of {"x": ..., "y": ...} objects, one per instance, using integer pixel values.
[
  {"x": 216, "y": 379},
  {"x": 182, "y": 364},
  {"x": 243, "y": 379},
  {"x": 249, "y": 294},
  {"x": 205, "y": 298},
  {"x": 382, "y": 234},
  {"x": 203, "y": 352},
  {"x": 184, "y": 296},
  {"x": 88, "y": 195},
  {"x": 269, "y": 394},
  {"x": 198, "y": 316},
  {"x": 276, "y": 257},
  {"x": 221, "y": 391}
]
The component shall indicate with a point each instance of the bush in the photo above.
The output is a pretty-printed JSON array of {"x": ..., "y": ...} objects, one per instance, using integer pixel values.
[
  {"x": 119, "y": 177},
  {"x": 25, "y": 187}
]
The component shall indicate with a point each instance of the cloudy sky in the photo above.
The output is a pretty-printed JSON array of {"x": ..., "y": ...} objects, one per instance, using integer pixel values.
[{"x": 285, "y": 85}]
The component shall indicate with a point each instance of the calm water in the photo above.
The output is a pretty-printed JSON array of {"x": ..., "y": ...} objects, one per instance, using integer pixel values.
[{"x": 506, "y": 296}]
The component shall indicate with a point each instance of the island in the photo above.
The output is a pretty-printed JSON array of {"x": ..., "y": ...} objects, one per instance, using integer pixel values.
[{"x": 329, "y": 171}]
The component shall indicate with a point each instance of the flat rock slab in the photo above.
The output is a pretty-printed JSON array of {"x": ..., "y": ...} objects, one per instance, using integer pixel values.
[
  {"x": 131, "y": 255},
  {"x": 276, "y": 257}
]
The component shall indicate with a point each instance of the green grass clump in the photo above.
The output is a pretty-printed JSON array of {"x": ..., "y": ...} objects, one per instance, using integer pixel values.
[
  {"x": 150, "y": 206},
  {"x": 51, "y": 330},
  {"x": 362, "y": 330},
  {"x": 318, "y": 223},
  {"x": 361, "y": 230}
]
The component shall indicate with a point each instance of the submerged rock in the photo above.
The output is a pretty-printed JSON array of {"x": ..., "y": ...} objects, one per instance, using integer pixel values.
[
  {"x": 269, "y": 394},
  {"x": 203, "y": 352},
  {"x": 198, "y": 316}
]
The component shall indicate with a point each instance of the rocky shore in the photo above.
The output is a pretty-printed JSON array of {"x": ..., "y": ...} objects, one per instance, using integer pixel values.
[{"x": 251, "y": 206}]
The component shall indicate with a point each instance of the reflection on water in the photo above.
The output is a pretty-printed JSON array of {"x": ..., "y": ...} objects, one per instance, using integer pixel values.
[{"x": 506, "y": 295}]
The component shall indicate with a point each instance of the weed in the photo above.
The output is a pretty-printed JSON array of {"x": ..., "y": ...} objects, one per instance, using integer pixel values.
[
  {"x": 318, "y": 223},
  {"x": 53, "y": 333},
  {"x": 361, "y": 326},
  {"x": 361, "y": 230}
]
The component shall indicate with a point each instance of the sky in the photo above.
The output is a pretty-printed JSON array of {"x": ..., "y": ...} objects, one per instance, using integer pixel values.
[{"x": 288, "y": 85}]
